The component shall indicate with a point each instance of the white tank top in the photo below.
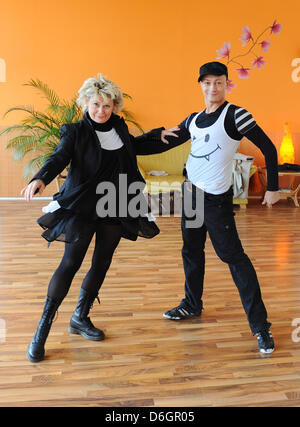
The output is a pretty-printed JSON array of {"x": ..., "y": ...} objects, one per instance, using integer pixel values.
[{"x": 209, "y": 165}]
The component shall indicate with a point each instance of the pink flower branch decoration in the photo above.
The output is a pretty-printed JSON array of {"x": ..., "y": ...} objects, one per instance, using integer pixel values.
[
  {"x": 276, "y": 28},
  {"x": 230, "y": 85},
  {"x": 243, "y": 72},
  {"x": 258, "y": 62},
  {"x": 247, "y": 39},
  {"x": 224, "y": 51},
  {"x": 246, "y": 35},
  {"x": 265, "y": 45}
]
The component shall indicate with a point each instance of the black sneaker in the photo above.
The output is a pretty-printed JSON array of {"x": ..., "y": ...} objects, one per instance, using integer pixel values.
[
  {"x": 265, "y": 341},
  {"x": 180, "y": 313}
]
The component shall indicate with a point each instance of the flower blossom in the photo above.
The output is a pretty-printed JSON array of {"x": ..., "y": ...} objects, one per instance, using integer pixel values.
[
  {"x": 258, "y": 62},
  {"x": 265, "y": 45},
  {"x": 243, "y": 72},
  {"x": 230, "y": 85},
  {"x": 246, "y": 35},
  {"x": 224, "y": 51},
  {"x": 276, "y": 28}
]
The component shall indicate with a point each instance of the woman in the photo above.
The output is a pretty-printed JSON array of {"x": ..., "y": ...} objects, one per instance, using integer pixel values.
[{"x": 99, "y": 149}]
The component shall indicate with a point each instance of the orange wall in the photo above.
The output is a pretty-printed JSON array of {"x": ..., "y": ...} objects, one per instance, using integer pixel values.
[{"x": 152, "y": 49}]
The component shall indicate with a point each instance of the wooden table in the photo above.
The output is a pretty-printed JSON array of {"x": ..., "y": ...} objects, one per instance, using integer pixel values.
[{"x": 285, "y": 193}]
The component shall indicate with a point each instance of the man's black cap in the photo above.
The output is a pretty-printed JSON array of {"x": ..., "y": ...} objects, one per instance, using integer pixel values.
[{"x": 213, "y": 68}]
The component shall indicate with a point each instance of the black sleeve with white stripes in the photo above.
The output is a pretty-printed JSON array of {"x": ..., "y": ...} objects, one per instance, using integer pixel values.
[{"x": 243, "y": 120}]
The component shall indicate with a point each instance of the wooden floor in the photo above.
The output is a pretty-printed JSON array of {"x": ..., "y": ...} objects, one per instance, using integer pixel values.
[{"x": 147, "y": 360}]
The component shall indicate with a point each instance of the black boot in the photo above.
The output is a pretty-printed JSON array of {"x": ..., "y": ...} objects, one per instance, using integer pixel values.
[
  {"x": 80, "y": 324},
  {"x": 36, "y": 351}
]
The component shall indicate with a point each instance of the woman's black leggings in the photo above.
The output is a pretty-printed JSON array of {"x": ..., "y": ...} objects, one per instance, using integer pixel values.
[{"x": 107, "y": 239}]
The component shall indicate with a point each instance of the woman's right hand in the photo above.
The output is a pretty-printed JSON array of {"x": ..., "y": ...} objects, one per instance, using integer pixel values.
[{"x": 35, "y": 187}]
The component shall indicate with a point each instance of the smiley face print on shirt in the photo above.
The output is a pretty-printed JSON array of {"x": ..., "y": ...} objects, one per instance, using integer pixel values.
[{"x": 203, "y": 147}]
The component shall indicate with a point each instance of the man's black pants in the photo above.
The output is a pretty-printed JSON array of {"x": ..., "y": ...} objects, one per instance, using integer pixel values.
[{"x": 220, "y": 224}]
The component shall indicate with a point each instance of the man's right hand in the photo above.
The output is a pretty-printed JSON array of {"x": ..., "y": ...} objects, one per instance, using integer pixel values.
[
  {"x": 35, "y": 187},
  {"x": 169, "y": 132}
]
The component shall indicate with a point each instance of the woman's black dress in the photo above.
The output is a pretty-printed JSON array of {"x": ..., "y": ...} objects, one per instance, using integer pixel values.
[{"x": 69, "y": 225}]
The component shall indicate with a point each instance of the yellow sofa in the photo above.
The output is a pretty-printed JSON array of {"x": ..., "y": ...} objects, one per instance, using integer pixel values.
[{"x": 172, "y": 162}]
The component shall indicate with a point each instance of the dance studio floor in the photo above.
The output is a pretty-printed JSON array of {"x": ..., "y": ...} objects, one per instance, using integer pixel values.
[{"x": 148, "y": 361}]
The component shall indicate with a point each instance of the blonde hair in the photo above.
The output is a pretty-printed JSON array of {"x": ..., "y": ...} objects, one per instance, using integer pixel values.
[{"x": 100, "y": 86}]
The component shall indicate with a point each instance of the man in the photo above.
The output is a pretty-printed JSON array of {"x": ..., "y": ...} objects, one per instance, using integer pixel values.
[{"x": 215, "y": 134}]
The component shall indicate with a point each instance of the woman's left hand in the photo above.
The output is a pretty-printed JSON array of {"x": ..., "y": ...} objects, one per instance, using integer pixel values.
[{"x": 271, "y": 197}]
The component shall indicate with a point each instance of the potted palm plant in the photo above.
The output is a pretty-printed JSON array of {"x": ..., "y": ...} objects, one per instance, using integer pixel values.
[{"x": 39, "y": 132}]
